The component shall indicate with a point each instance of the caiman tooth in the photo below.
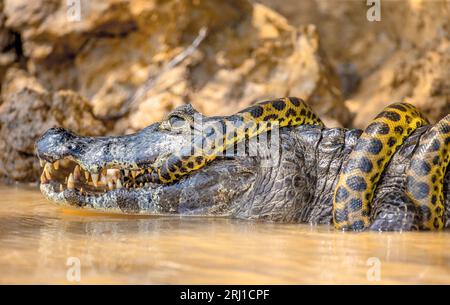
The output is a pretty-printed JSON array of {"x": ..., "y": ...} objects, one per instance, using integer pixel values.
[
  {"x": 118, "y": 184},
  {"x": 64, "y": 162},
  {"x": 42, "y": 162},
  {"x": 43, "y": 179},
  {"x": 70, "y": 182},
  {"x": 47, "y": 170},
  {"x": 126, "y": 172},
  {"x": 86, "y": 175},
  {"x": 114, "y": 172},
  {"x": 56, "y": 165},
  {"x": 103, "y": 180},
  {"x": 134, "y": 174},
  {"x": 110, "y": 185},
  {"x": 61, "y": 188},
  {"x": 95, "y": 179},
  {"x": 81, "y": 190},
  {"x": 76, "y": 173}
]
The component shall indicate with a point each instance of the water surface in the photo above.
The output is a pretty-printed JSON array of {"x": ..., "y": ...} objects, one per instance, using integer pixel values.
[{"x": 38, "y": 238}]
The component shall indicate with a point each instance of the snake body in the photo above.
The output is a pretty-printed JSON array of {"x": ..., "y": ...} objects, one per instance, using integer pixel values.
[
  {"x": 247, "y": 123},
  {"x": 359, "y": 174},
  {"x": 425, "y": 175},
  {"x": 362, "y": 170}
]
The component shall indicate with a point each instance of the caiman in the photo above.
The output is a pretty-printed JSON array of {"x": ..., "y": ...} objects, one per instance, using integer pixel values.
[{"x": 272, "y": 161}]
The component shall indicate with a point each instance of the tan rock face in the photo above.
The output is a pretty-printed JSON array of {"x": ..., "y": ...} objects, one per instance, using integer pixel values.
[
  {"x": 28, "y": 111},
  {"x": 8, "y": 52},
  {"x": 249, "y": 54},
  {"x": 404, "y": 57}
]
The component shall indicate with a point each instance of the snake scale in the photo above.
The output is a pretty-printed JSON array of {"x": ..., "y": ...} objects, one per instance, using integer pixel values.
[{"x": 360, "y": 173}]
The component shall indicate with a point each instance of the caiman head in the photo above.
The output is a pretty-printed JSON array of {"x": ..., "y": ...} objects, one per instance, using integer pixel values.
[{"x": 104, "y": 173}]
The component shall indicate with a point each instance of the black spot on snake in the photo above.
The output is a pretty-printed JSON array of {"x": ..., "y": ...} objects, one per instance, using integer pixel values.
[
  {"x": 271, "y": 117},
  {"x": 434, "y": 199},
  {"x": 436, "y": 160},
  {"x": 436, "y": 223},
  {"x": 398, "y": 129},
  {"x": 390, "y": 115},
  {"x": 341, "y": 215},
  {"x": 399, "y": 107},
  {"x": 392, "y": 141},
  {"x": 380, "y": 162},
  {"x": 420, "y": 190},
  {"x": 355, "y": 204},
  {"x": 358, "y": 225},
  {"x": 435, "y": 145},
  {"x": 291, "y": 112},
  {"x": 256, "y": 111},
  {"x": 426, "y": 212},
  {"x": 356, "y": 183},
  {"x": 378, "y": 128},
  {"x": 295, "y": 101},
  {"x": 279, "y": 105},
  {"x": 341, "y": 194},
  {"x": 444, "y": 128},
  {"x": 374, "y": 146},
  {"x": 420, "y": 167}
]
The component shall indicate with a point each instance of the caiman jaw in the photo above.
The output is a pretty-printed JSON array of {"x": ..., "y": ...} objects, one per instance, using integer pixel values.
[{"x": 68, "y": 174}]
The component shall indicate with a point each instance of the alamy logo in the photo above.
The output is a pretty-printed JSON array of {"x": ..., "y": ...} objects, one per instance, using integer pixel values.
[
  {"x": 222, "y": 138},
  {"x": 74, "y": 10},
  {"x": 374, "y": 11},
  {"x": 374, "y": 271},
  {"x": 73, "y": 273}
]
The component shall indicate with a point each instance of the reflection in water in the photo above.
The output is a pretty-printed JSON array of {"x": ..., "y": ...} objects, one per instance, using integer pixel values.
[{"x": 37, "y": 238}]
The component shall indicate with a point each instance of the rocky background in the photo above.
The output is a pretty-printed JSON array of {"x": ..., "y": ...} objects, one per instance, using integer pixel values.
[{"x": 119, "y": 65}]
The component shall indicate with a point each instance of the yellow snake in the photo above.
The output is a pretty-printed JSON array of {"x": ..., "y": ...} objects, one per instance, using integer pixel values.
[
  {"x": 362, "y": 170},
  {"x": 247, "y": 123},
  {"x": 425, "y": 175}
]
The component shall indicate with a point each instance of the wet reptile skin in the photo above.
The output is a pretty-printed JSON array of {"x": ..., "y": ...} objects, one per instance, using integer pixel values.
[
  {"x": 364, "y": 183},
  {"x": 247, "y": 123},
  {"x": 361, "y": 172},
  {"x": 425, "y": 176}
]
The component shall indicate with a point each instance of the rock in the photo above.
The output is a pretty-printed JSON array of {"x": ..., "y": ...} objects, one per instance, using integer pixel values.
[
  {"x": 8, "y": 44},
  {"x": 251, "y": 53},
  {"x": 27, "y": 112},
  {"x": 404, "y": 57}
]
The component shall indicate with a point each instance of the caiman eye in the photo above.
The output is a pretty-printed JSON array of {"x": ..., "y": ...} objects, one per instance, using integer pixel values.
[{"x": 177, "y": 122}]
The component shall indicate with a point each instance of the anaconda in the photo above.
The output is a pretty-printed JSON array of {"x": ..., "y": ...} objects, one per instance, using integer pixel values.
[{"x": 391, "y": 176}]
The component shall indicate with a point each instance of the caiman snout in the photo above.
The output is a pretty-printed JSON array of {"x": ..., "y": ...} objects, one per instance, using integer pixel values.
[
  {"x": 56, "y": 143},
  {"x": 95, "y": 165}
]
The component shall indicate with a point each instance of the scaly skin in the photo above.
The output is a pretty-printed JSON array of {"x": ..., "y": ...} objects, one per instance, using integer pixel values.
[
  {"x": 228, "y": 131},
  {"x": 362, "y": 171},
  {"x": 425, "y": 176},
  {"x": 151, "y": 172}
]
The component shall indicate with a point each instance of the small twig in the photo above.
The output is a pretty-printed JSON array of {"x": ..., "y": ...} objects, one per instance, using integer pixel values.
[{"x": 129, "y": 103}]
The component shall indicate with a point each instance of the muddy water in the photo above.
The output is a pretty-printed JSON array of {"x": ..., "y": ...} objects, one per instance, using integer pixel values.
[{"x": 38, "y": 239}]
